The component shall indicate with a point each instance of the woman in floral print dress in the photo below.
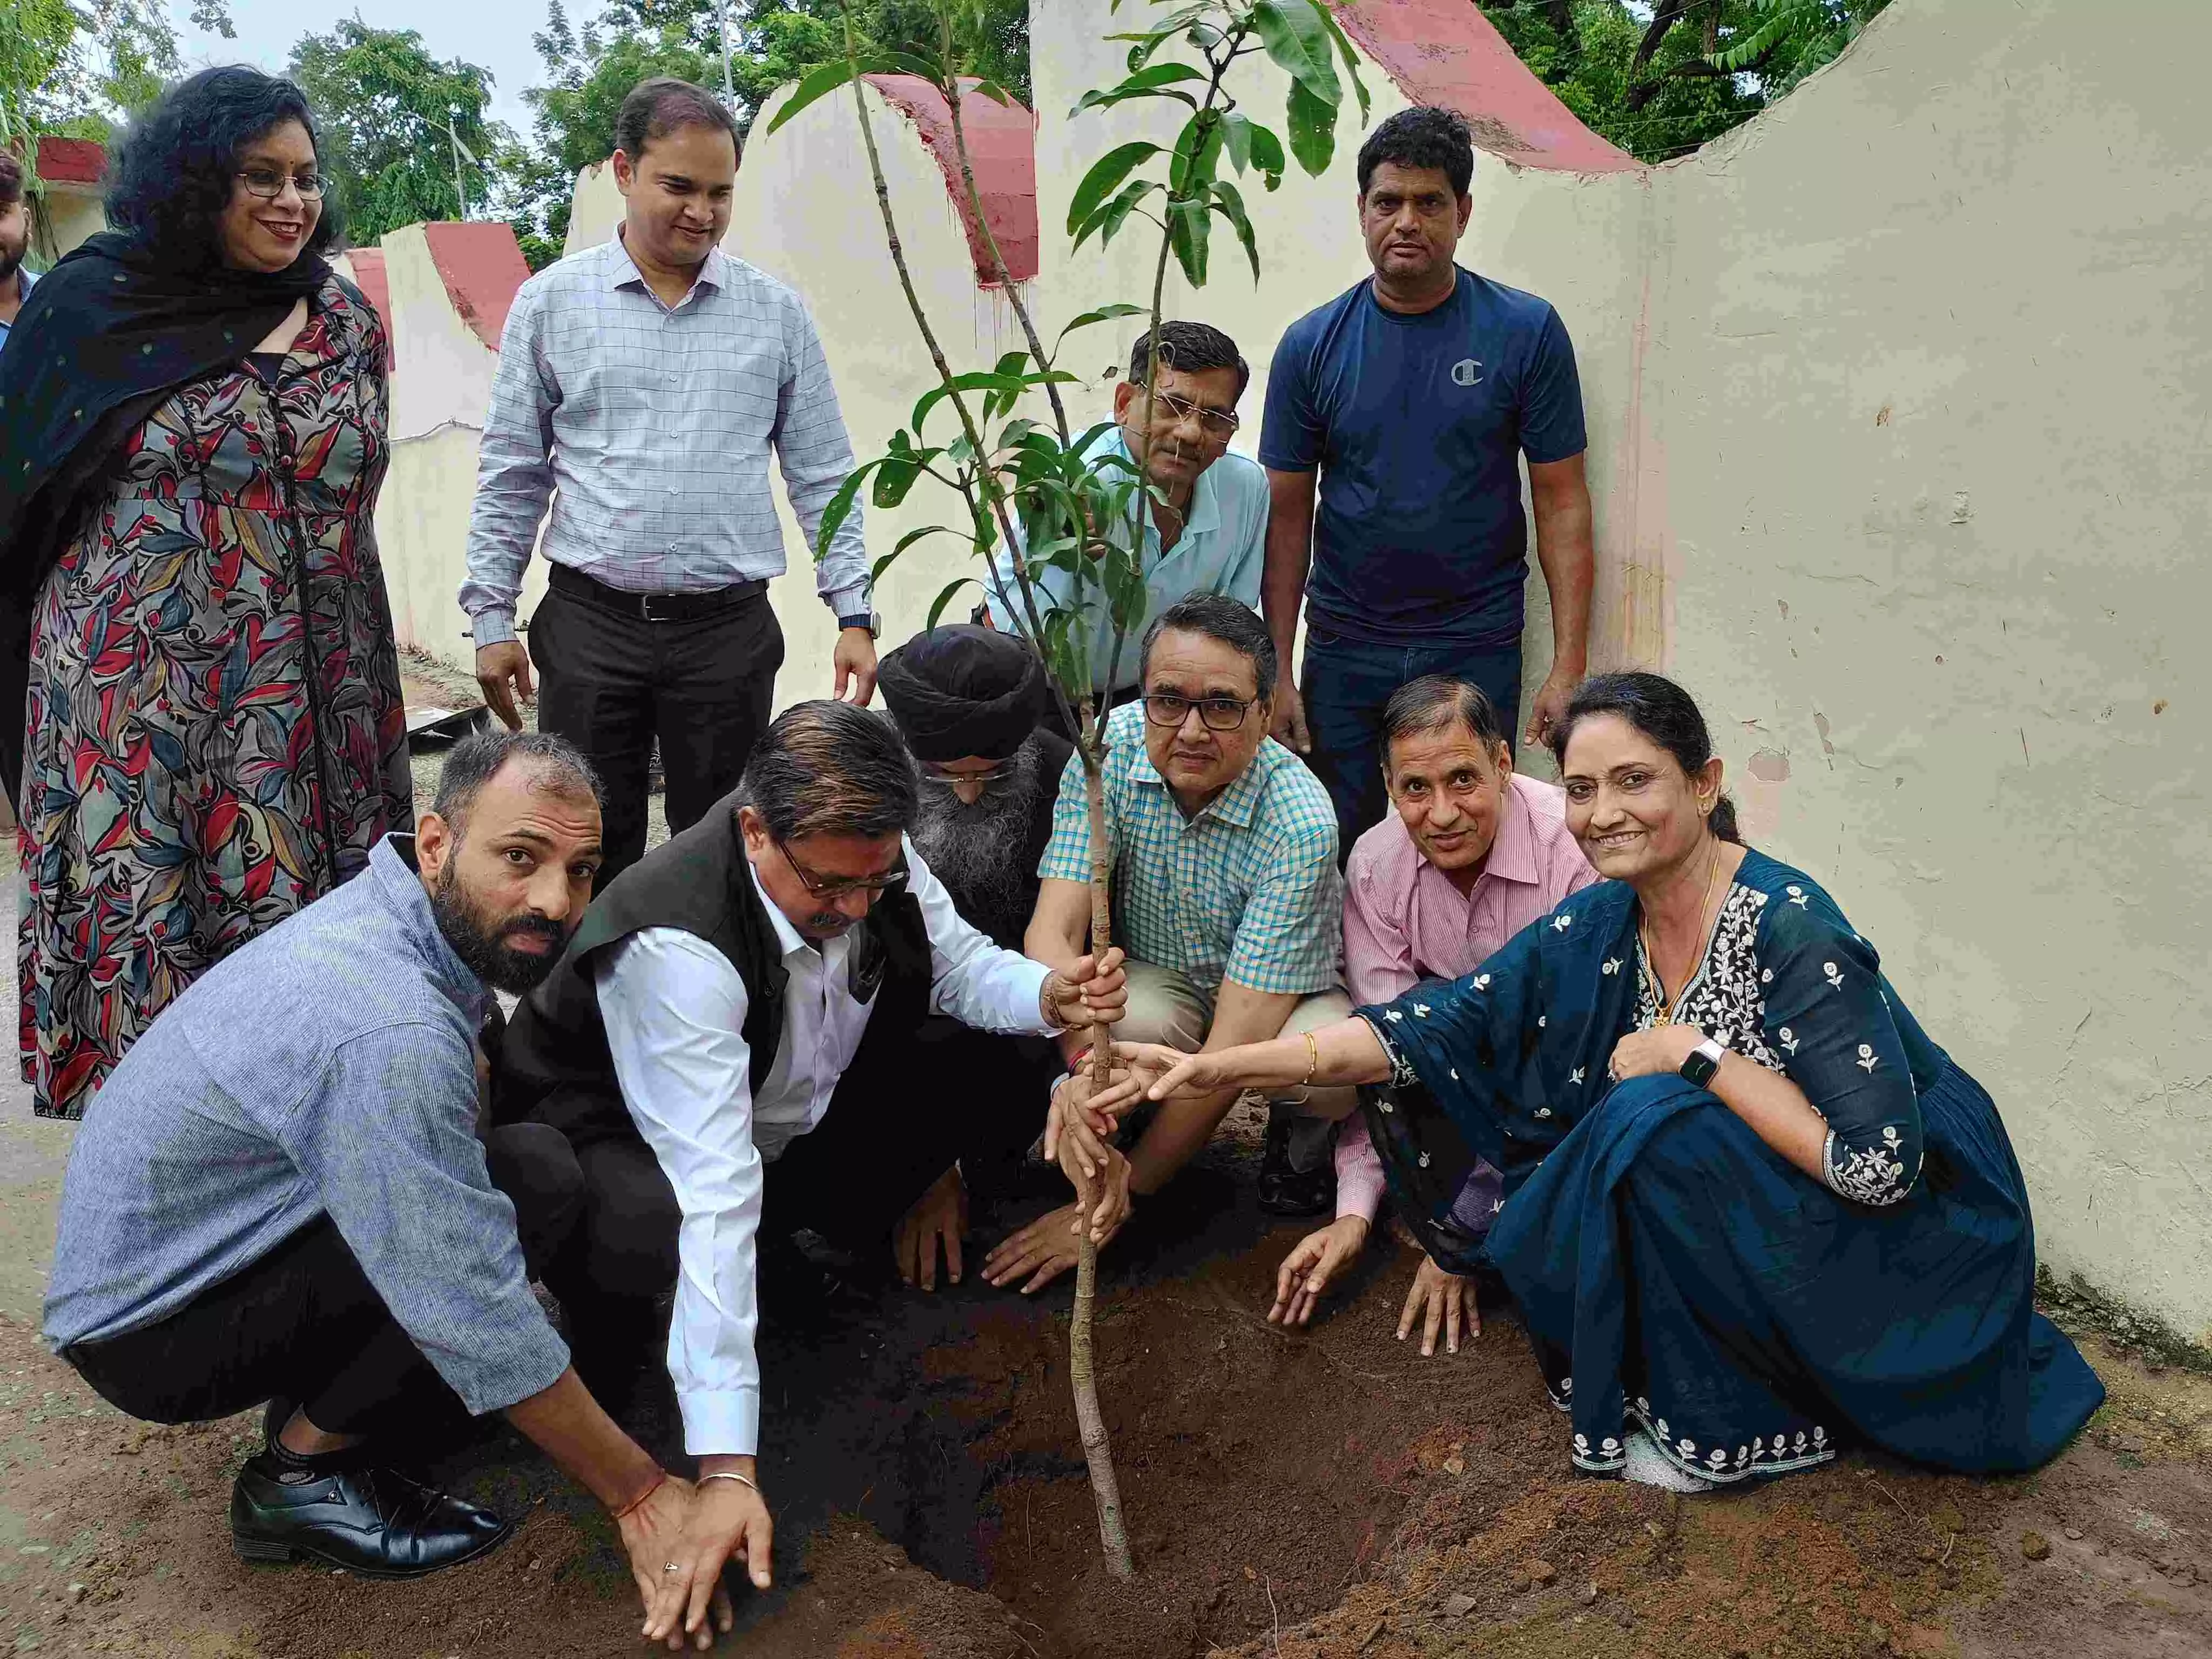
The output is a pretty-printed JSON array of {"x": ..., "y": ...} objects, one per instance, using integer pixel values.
[
  {"x": 1752, "y": 1212},
  {"x": 215, "y": 735}
]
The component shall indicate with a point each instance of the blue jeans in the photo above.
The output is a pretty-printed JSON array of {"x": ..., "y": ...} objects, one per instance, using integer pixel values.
[{"x": 1345, "y": 683}]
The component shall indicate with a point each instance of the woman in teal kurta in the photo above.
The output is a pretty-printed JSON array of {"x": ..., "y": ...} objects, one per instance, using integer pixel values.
[{"x": 1824, "y": 1237}]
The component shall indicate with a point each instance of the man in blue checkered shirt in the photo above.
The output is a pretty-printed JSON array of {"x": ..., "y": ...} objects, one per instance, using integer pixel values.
[{"x": 1226, "y": 898}]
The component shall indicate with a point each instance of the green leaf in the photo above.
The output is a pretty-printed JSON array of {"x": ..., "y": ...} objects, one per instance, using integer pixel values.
[
  {"x": 1313, "y": 130},
  {"x": 1299, "y": 42},
  {"x": 816, "y": 82},
  {"x": 1188, "y": 229},
  {"x": 1002, "y": 402},
  {"x": 1230, "y": 206},
  {"x": 1103, "y": 314},
  {"x": 978, "y": 380},
  {"x": 1156, "y": 81},
  {"x": 1344, "y": 49},
  {"x": 1109, "y": 218},
  {"x": 1267, "y": 155},
  {"x": 995, "y": 93},
  {"x": 895, "y": 476},
  {"x": 1197, "y": 152},
  {"x": 841, "y": 508},
  {"x": 937, "y": 608},
  {"x": 1105, "y": 174}
]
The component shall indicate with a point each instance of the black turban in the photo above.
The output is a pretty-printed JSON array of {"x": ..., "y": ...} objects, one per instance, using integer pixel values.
[{"x": 961, "y": 690}]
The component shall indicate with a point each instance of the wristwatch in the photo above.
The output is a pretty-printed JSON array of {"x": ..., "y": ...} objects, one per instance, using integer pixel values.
[
  {"x": 868, "y": 619},
  {"x": 1705, "y": 1059}
]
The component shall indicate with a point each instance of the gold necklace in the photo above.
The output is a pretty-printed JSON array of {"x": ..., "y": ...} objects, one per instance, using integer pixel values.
[{"x": 1667, "y": 1010}]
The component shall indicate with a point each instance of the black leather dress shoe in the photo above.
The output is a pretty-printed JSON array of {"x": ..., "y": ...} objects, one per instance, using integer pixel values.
[
  {"x": 1286, "y": 1191},
  {"x": 374, "y": 1522}
]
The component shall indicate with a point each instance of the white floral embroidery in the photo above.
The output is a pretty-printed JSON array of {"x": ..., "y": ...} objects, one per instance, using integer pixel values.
[
  {"x": 1723, "y": 997},
  {"x": 1392, "y": 1015},
  {"x": 1789, "y": 1039},
  {"x": 1575, "y": 1076},
  {"x": 1480, "y": 982},
  {"x": 1869, "y": 1175},
  {"x": 1541, "y": 1020},
  {"x": 1546, "y": 1111},
  {"x": 1835, "y": 979},
  {"x": 1425, "y": 1160},
  {"x": 1562, "y": 921},
  {"x": 1762, "y": 1457},
  {"x": 1454, "y": 1070},
  {"x": 1797, "y": 896},
  {"x": 1421, "y": 1011},
  {"x": 1610, "y": 1447},
  {"x": 1767, "y": 976},
  {"x": 1611, "y": 965},
  {"x": 1868, "y": 1059}
]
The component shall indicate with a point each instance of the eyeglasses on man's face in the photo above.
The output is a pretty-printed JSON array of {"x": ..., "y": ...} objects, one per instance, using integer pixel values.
[
  {"x": 1216, "y": 714},
  {"x": 1219, "y": 425},
  {"x": 268, "y": 183},
  {"x": 834, "y": 888},
  {"x": 998, "y": 774}
]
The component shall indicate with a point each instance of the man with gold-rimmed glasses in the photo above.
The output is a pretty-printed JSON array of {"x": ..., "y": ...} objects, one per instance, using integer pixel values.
[
  {"x": 728, "y": 1046},
  {"x": 1208, "y": 529}
]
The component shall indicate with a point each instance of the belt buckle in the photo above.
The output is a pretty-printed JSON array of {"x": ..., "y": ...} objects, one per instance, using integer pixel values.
[{"x": 645, "y": 607}]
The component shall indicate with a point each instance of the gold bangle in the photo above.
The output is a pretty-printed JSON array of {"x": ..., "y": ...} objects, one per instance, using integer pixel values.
[{"x": 1313, "y": 1060}]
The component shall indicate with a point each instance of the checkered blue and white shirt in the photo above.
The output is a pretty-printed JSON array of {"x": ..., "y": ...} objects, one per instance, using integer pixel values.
[
  {"x": 655, "y": 421},
  {"x": 1246, "y": 890}
]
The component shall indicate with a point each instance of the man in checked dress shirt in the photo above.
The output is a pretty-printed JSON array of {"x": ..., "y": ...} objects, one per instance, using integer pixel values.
[{"x": 647, "y": 379}]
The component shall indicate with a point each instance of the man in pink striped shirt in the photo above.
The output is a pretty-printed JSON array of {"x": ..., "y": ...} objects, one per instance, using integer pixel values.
[{"x": 1472, "y": 853}]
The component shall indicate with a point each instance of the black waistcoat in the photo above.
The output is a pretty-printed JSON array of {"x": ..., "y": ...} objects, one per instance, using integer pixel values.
[{"x": 554, "y": 1063}]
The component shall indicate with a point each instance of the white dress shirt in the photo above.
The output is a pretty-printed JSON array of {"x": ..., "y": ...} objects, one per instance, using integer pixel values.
[{"x": 675, "y": 1013}]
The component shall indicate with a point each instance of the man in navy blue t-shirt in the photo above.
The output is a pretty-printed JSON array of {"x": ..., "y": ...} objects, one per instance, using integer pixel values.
[{"x": 1415, "y": 395}]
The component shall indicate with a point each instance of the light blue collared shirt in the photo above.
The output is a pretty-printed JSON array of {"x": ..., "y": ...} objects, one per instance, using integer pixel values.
[
  {"x": 25, "y": 278},
  {"x": 1224, "y": 542}
]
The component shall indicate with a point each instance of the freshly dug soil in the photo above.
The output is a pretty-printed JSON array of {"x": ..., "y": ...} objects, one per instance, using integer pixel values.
[{"x": 1315, "y": 1493}]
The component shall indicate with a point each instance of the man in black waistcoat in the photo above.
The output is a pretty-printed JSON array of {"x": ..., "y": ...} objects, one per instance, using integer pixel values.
[{"x": 729, "y": 1048}]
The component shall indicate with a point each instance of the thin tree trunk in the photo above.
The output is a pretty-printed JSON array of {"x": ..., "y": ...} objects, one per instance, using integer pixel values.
[{"x": 1113, "y": 1532}]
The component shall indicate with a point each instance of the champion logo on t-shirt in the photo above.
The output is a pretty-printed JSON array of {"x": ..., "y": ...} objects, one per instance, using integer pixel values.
[{"x": 1466, "y": 372}]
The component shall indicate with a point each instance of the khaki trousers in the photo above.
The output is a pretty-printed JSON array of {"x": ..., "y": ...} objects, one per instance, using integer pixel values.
[{"x": 1165, "y": 1007}]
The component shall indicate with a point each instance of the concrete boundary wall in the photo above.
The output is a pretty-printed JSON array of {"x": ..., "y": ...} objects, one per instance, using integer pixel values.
[{"x": 1899, "y": 407}]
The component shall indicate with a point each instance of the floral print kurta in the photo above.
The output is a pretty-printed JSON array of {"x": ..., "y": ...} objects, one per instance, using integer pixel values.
[{"x": 215, "y": 735}]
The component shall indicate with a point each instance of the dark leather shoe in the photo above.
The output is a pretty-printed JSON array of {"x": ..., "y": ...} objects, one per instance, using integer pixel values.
[
  {"x": 1284, "y": 1191},
  {"x": 374, "y": 1522}
]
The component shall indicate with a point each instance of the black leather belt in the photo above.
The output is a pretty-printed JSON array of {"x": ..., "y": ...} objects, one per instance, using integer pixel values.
[{"x": 652, "y": 607}]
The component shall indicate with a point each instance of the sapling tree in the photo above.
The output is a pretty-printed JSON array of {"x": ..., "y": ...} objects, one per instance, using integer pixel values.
[{"x": 1041, "y": 494}]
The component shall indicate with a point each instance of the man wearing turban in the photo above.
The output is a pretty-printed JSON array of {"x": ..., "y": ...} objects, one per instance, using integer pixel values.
[{"x": 967, "y": 702}]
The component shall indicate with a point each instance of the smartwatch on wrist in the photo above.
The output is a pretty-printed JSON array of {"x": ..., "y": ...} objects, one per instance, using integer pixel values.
[
  {"x": 1705, "y": 1059},
  {"x": 868, "y": 619}
]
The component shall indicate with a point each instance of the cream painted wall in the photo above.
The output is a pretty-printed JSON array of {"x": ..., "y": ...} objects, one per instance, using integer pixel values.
[
  {"x": 441, "y": 378},
  {"x": 66, "y": 217}
]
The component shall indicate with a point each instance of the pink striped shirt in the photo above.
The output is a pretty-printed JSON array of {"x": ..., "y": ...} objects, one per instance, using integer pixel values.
[{"x": 1404, "y": 922}]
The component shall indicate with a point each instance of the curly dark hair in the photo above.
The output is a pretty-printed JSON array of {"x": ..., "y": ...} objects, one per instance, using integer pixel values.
[
  {"x": 1426, "y": 136},
  {"x": 174, "y": 171}
]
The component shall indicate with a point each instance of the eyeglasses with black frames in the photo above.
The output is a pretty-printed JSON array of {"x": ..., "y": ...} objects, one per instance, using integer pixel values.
[
  {"x": 1216, "y": 714},
  {"x": 268, "y": 183}
]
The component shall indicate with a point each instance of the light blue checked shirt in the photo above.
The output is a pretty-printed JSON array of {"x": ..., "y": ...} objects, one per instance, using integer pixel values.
[
  {"x": 655, "y": 421},
  {"x": 1246, "y": 890},
  {"x": 1222, "y": 547},
  {"x": 23, "y": 280}
]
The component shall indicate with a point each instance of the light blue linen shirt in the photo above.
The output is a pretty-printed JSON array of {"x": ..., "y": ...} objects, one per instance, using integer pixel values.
[
  {"x": 1224, "y": 543},
  {"x": 327, "y": 1067},
  {"x": 25, "y": 279}
]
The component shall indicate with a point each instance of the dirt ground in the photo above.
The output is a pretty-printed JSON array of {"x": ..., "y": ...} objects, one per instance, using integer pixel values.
[{"x": 1325, "y": 1494}]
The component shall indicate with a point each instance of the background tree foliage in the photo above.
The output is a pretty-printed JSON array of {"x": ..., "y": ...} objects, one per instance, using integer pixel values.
[
  {"x": 1661, "y": 77},
  {"x": 384, "y": 102},
  {"x": 73, "y": 67}
]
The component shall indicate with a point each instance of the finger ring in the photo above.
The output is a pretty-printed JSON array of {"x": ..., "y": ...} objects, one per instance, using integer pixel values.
[{"x": 672, "y": 1567}]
